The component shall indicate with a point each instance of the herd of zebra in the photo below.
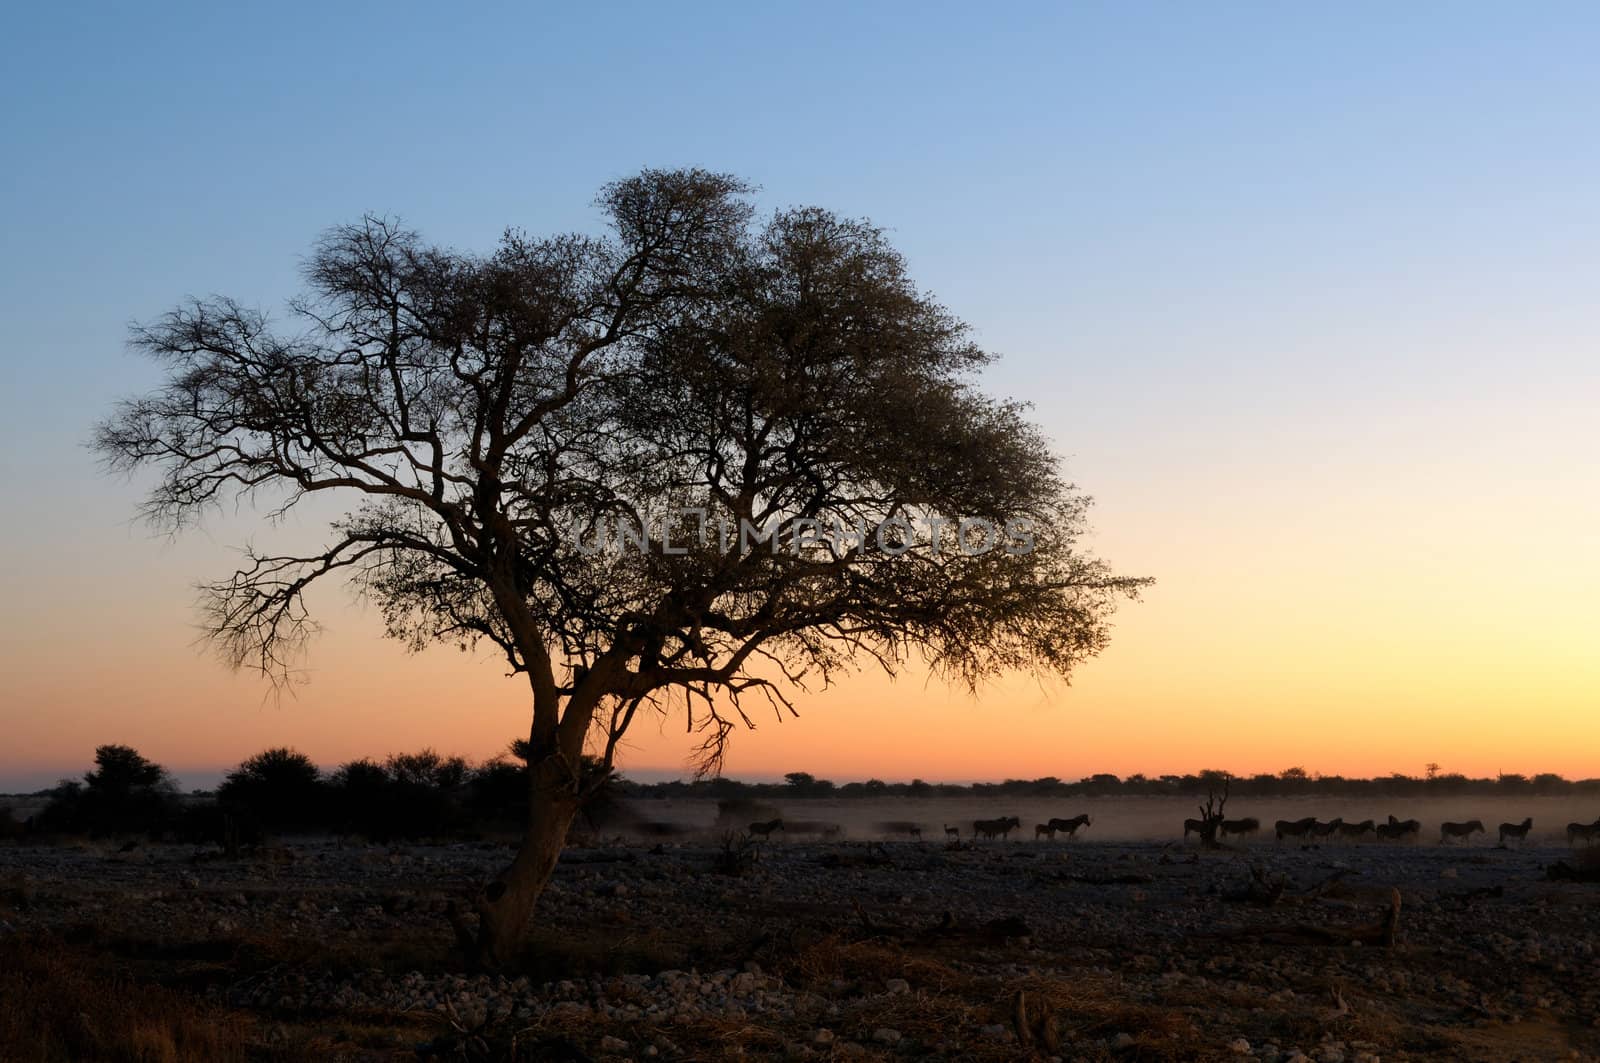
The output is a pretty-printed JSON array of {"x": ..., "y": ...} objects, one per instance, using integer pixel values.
[
  {"x": 1393, "y": 830},
  {"x": 1308, "y": 827}
]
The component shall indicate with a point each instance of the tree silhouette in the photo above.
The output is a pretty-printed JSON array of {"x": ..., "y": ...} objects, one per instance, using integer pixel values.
[
  {"x": 427, "y": 768},
  {"x": 710, "y": 389},
  {"x": 277, "y": 789},
  {"x": 123, "y": 793}
]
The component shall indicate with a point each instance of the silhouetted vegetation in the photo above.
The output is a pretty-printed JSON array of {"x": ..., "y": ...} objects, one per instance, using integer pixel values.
[
  {"x": 427, "y": 795},
  {"x": 411, "y": 795},
  {"x": 277, "y": 790},
  {"x": 124, "y": 794},
  {"x": 559, "y": 384},
  {"x": 1291, "y": 782}
]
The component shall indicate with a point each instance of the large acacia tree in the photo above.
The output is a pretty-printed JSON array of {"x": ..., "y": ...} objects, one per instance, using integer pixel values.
[{"x": 610, "y": 458}]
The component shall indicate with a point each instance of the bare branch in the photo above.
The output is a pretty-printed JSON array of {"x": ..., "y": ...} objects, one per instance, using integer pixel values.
[{"x": 715, "y": 388}]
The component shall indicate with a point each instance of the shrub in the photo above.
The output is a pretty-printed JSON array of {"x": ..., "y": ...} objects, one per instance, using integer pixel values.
[
  {"x": 124, "y": 794},
  {"x": 410, "y": 795},
  {"x": 278, "y": 789},
  {"x": 498, "y": 793},
  {"x": 425, "y": 798},
  {"x": 429, "y": 769},
  {"x": 360, "y": 798}
]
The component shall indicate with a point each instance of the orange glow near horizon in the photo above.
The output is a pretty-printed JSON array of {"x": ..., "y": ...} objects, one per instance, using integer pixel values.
[
  {"x": 1360, "y": 658},
  {"x": 1305, "y": 303},
  {"x": 1124, "y": 714}
]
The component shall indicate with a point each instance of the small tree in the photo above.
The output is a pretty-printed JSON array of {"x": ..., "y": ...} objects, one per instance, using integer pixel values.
[
  {"x": 363, "y": 796},
  {"x": 124, "y": 793},
  {"x": 425, "y": 798},
  {"x": 498, "y": 793},
  {"x": 364, "y": 775},
  {"x": 705, "y": 388},
  {"x": 429, "y": 769},
  {"x": 277, "y": 789},
  {"x": 1212, "y": 812},
  {"x": 122, "y": 770},
  {"x": 1102, "y": 783},
  {"x": 801, "y": 782}
]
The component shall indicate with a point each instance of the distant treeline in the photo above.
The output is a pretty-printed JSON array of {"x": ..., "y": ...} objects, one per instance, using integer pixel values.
[
  {"x": 427, "y": 795},
  {"x": 1292, "y": 782}
]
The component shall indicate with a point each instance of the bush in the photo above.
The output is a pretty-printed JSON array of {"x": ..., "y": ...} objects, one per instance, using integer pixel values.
[
  {"x": 124, "y": 794},
  {"x": 428, "y": 769},
  {"x": 360, "y": 798},
  {"x": 276, "y": 790},
  {"x": 498, "y": 793},
  {"x": 424, "y": 799},
  {"x": 411, "y": 795}
]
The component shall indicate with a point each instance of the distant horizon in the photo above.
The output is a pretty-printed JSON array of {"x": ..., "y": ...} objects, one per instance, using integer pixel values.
[{"x": 190, "y": 778}]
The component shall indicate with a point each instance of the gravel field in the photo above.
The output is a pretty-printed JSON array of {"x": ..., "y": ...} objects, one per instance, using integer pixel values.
[{"x": 866, "y": 949}]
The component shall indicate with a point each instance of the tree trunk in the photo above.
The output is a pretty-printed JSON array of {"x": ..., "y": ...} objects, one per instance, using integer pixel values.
[{"x": 505, "y": 904}]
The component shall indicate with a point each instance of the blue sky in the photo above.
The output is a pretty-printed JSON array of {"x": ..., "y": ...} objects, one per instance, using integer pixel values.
[
  {"x": 1272, "y": 274},
  {"x": 1075, "y": 179}
]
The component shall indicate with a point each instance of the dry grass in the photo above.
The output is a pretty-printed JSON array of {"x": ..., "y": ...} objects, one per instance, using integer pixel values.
[{"x": 57, "y": 1005}]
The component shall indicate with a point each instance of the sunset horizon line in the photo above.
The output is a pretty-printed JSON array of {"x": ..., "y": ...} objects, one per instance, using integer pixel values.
[{"x": 205, "y": 778}]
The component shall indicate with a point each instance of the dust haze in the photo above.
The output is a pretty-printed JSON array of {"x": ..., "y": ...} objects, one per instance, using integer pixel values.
[{"x": 1114, "y": 818}]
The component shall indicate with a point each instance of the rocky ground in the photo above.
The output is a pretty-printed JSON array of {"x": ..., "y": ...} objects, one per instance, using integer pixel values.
[{"x": 1006, "y": 950}]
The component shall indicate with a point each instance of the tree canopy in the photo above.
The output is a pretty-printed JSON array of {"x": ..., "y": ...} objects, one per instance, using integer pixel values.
[
  {"x": 700, "y": 458},
  {"x": 694, "y": 374}
]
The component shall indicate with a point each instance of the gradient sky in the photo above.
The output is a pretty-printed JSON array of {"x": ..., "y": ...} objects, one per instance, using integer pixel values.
[{"x": 1305, "y": 296}]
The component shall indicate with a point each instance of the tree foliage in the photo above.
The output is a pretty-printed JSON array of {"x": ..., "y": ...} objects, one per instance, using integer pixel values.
[
  {"x": 123, "y": 794},
  {"x": 487, "y": 413},
  {"x": 788, "y": 429},
  {"x": 277, "y": 789}
]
